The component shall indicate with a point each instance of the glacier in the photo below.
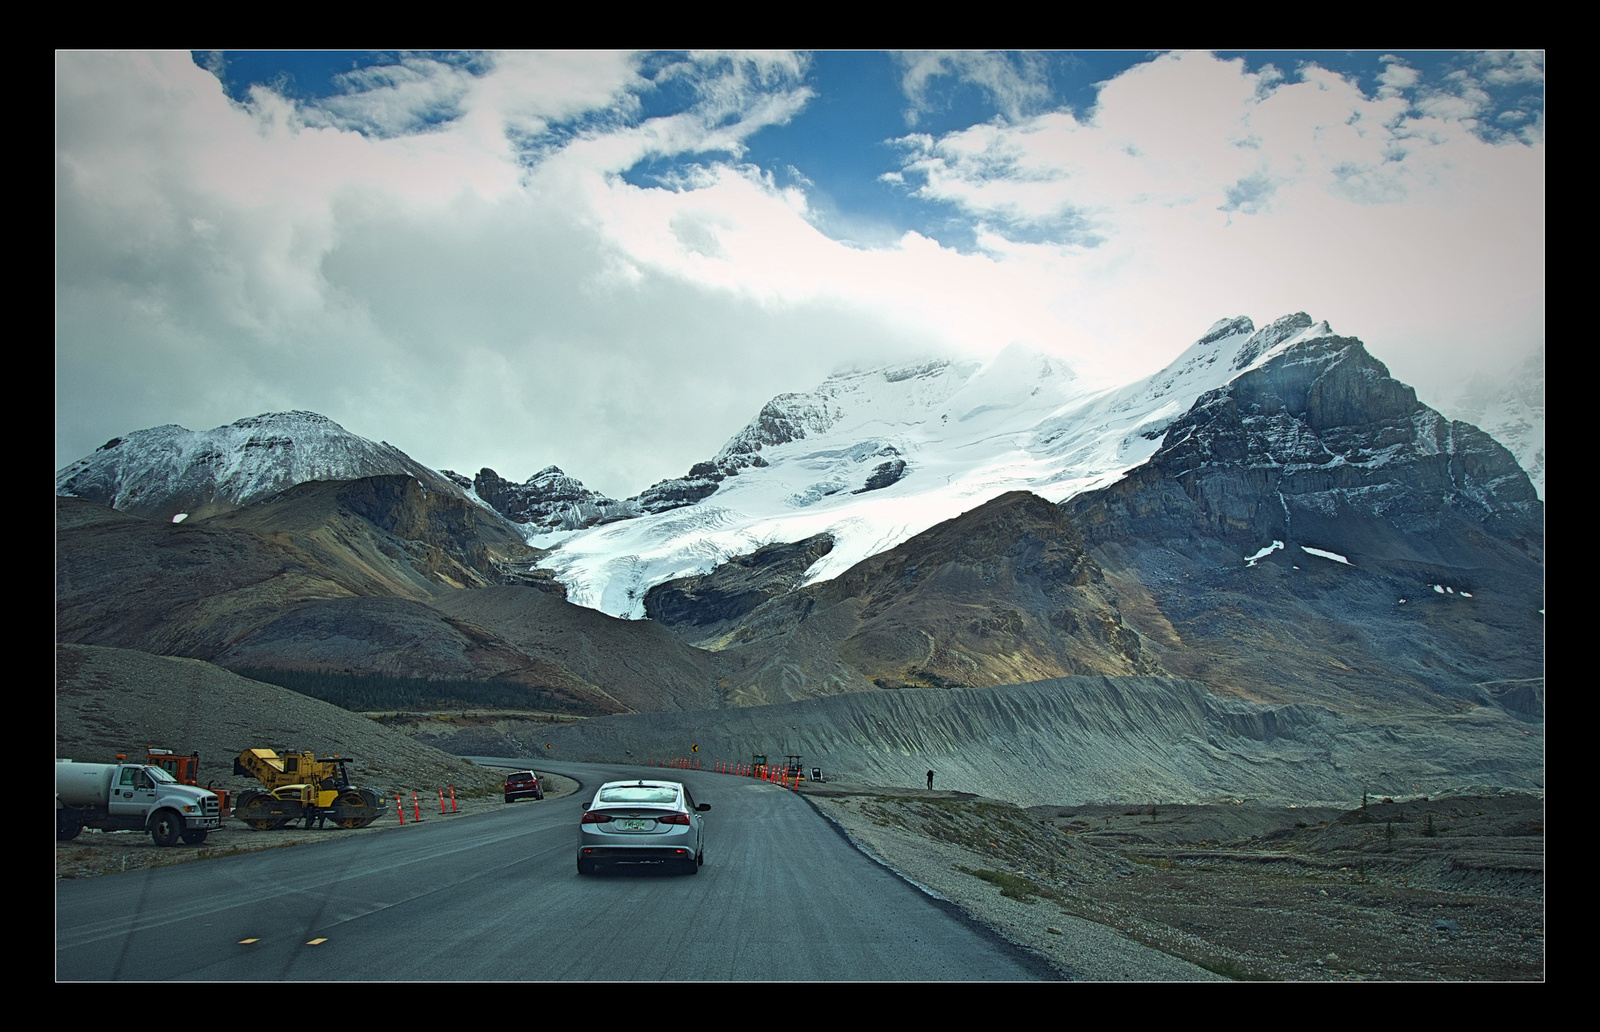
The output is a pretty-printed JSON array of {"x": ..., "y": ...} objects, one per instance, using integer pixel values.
[{"x": 965, "y": 433}]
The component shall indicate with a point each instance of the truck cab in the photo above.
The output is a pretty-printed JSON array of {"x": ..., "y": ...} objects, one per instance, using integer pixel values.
[{"x": 134, "y": 791}]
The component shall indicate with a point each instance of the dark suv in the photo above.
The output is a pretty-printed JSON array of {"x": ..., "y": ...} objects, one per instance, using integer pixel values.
[{"x": 523, "y": 783}]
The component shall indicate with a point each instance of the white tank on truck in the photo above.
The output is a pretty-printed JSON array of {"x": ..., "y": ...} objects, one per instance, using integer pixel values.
[{"x": 132, "y": 796}]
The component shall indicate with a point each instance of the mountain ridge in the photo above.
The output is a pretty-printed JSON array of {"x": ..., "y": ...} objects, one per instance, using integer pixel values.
[{"x": 1272, "y": 517}]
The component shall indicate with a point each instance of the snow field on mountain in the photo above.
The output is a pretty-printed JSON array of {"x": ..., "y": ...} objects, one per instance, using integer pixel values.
[{"x": 967, "y": 434}]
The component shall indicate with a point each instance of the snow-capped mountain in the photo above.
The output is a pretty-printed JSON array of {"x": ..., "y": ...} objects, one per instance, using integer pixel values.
[
  {"x": 873, "y": 458},
  {"x": 1511, "y": 410},
  {"x": 168, "y": 472},
  {"x": 870, "y": 458}
]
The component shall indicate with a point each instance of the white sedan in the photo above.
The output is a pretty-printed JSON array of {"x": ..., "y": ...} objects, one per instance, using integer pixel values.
[{"x": 642, "y": 822}]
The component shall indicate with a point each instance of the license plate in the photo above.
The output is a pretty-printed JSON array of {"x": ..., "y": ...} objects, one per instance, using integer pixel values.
[{"x": 633, "y": 825}]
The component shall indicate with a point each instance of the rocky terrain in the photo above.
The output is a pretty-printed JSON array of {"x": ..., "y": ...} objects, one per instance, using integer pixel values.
[
  {"x": 356, "y": 581},
  {"x": 1003, "y": 594},
  {"x": 1443, "y": 889},
  {"x": 549, "y": 500}
]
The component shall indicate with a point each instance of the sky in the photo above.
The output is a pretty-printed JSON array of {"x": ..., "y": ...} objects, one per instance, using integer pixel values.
[{"x": 610, "y": 261}]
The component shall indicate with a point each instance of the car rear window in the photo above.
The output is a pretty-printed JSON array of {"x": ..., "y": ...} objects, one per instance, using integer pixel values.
[
  {"x": 524, "y": 776},
  {"x": 639, "y": 794}
]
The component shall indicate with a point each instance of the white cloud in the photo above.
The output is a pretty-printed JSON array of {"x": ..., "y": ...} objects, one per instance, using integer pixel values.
[
  {"x": 1015, "y": 85},
  {"x": 216, "y": 260},
  {"x": 493, "y": 292},
  {"x": 1511, "y": 67},
  {"x": 1199, "y": 189},
  {"x": 1396, "y": 76}
]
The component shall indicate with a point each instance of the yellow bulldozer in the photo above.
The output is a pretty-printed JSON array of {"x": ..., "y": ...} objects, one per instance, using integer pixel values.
[{"x": 299, "y": 786}]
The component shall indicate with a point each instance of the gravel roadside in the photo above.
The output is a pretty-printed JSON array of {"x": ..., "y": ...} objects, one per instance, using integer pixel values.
[
  {"x": 1081, "y": 950},
  {"x": 1445, "y": 889}
]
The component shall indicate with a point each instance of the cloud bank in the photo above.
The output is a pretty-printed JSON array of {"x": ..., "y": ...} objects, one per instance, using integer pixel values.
[{"x": 455, "y": 253}]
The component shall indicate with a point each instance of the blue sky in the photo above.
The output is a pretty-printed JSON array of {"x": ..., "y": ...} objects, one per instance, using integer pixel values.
[{"x": 609, "y": 262}]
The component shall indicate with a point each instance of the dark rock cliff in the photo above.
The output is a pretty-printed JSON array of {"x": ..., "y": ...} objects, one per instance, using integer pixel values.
[
  {"x": 549, "y": 500},
  {"x": 1311, "y": 530},
  {"x": 734, "y": 588}
]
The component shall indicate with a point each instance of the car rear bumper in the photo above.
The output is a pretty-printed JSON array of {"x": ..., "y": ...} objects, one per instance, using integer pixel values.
[{"x": 635, "y": 854}]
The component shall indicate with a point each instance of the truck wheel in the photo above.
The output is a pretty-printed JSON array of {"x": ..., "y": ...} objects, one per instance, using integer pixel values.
[
  {"x": 194, "y": 838},
  {"x": 68, "y": 827},
  {"x": 166, "y": 828}
]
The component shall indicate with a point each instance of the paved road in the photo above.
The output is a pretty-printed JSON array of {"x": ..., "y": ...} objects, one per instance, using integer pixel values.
[{"x": 498, "y": 897}]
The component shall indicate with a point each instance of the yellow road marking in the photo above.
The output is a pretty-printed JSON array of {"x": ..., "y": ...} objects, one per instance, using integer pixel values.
[{"x": 316, "y": 942}]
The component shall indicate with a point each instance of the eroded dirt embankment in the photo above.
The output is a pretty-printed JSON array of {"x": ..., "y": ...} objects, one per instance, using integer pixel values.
[{"x": 1072, "y": 740}]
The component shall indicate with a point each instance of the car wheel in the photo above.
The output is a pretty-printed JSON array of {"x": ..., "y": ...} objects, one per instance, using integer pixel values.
[
  {"x": 586, "y": 867},
  {"x": 166, "y": 829},
  {"x": 700, "y": 860},
  {"x": 511, "y": 799}
]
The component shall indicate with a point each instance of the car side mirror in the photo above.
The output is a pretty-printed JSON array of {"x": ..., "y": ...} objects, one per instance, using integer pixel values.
[{"x": 703, "y": 807}]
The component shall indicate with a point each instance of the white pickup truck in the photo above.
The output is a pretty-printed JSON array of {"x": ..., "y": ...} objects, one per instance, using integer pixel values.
[{"x": 132, "y": 796}]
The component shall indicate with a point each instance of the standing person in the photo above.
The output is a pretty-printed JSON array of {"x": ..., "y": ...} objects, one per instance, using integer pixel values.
[{"x": 930, "y": 779}]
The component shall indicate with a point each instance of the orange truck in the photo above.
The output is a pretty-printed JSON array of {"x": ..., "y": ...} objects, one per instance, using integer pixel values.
[{"x": 185, "y": 770}]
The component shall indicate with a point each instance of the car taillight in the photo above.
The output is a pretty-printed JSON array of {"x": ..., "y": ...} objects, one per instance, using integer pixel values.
[
  {"x": 595, "y": 818},
  {"x": 676, "y": 818}
]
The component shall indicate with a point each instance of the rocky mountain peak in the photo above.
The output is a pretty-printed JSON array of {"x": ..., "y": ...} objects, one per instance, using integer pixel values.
[
  {"x": 549, "y": 500},
  {"x": 1319, "y": 435},
  {"x": 168, "y": 472},
  {"x": 1226, "y": 327},
  {"x": 1269, "y": 337}
]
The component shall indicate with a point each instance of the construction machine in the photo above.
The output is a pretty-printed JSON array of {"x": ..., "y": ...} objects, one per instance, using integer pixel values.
[
  {"x": 301, "y": 786},
  {"x": 185, "y": 770}
]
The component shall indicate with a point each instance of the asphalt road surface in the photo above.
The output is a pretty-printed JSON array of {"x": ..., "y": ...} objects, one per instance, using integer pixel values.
[{"x": 497, "y": 897}]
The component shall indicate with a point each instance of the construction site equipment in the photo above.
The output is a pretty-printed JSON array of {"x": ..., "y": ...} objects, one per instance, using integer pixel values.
[
  {"x": 186, "y": 771},
  {"x": 792, "y": 767},
  {"x": 758, "y": 765},
  {"x": 302, "y": 786},
  {"x": 131, "y": 796}
]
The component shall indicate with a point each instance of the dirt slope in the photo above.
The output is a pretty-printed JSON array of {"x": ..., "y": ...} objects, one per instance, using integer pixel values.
[
  {"x": 111, "y": 701},
  {"x": 1083, "y": 740}
]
